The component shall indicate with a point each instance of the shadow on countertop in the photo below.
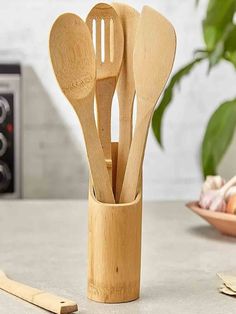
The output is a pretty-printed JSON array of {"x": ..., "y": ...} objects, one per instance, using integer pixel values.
[{"x": 208, "y": 232}]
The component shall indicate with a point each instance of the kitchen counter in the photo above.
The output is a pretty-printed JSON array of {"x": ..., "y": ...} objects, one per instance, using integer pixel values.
[{"x": 44, "y": 244}]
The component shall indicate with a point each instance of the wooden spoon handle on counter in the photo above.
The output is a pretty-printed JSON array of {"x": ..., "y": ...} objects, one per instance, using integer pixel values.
[{"x": 37, "y": 297}]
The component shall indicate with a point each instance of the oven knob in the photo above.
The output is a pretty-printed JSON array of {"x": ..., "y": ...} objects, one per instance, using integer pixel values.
[
  {"x": 5, "y": 177},
  {"x": 4, "y": 109},
  {"x": 3, "y": 144}
]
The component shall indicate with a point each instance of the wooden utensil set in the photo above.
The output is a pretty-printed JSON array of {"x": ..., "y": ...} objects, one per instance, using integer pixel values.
[
  {"x": 116, "y": 49},
  {"x": 132, "y": 53}
]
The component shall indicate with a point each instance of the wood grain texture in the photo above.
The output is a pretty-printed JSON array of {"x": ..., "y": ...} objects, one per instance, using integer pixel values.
[
  {"x": 114, "y": 254},
  {"x": 114, "y": 153},
  {"x": 154, "y": 54},
  {"x": 73, "y": 61},
  {"x": 37, "y": 297},
  {"x": 125, "y": 89},
  {"x": 107, "y": 69}
]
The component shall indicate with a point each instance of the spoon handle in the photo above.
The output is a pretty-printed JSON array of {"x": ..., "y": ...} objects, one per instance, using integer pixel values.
[
  {"x": 125, "y": 136},
  {"x": 135, "y": 159},
  {"x": 37, "y": 297},
  {"x": 105, "y": 89},
  {"x": 125, "y": 89},
  {"x": 99, "y": 173}
]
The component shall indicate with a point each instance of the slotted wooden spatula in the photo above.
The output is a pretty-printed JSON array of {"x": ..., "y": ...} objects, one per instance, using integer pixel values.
[
  {"x": 154, "y": 54},
  {"x": 125, "y": 89},
  {"x": 107, "y": 69},
  {"x": 37, "y": 297}
]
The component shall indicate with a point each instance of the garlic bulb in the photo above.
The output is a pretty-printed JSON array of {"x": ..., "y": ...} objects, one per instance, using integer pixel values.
[
  {"x": 215, "y": 199},
  {"x": 212, "y": 183},
  {"x": 212, "y": 200}
]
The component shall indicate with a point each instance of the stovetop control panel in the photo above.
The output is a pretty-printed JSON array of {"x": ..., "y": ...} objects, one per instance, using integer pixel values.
[{"x": 10, "y": 165}]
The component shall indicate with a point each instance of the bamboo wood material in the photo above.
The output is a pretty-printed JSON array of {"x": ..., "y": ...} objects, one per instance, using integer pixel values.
[
  {"x": 37, "y": 297},
  {"x": 114, "y": 154},
  {"x": 125, "y": 89},
  {"x": 114, "y": 254},
  {"x": 154, "y": 54},
  {"x": 73, "y": 61},
  {"x": 107, "y": 69}
]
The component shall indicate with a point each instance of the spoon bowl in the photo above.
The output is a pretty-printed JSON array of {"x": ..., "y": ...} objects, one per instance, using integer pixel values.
[{"x": 73, "y": 62}]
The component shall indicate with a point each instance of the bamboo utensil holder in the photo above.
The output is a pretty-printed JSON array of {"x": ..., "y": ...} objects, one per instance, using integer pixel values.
[
  {"x": 114, "y": 252},
  {"x": 114, "y": 255}
]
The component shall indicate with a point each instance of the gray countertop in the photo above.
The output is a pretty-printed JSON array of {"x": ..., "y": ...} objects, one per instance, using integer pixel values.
[{"x": 44, "y": 244}]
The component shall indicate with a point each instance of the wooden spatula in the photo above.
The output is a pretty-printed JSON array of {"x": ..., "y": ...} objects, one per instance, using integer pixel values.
[
  {"x": 37, "y": 297},
  {"x": 107, "y": 69},
  {"x": 125, "y": 89},
  {"x": 73, "y": 61},
  {"x": 154, "y": 54}
]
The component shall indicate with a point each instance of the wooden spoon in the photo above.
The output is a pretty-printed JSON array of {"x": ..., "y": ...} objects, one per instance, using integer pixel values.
[
  {"x": 125, "y": 89},
  {"x": 107, "y": 69},
  {"x": 154, "y": 54},
  {"x": 73, "y": 61},
  {"x": 37, "y": 297}
]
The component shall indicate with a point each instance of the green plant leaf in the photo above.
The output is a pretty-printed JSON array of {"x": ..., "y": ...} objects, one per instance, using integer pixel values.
[
  {"x": 230, "y": 46},
  {"x": 219, "y": 50},
  {"x": 216, "y": 55},
  {"x": 167, "y": 97},
  {"x": 219, "y": 16},
  {"x": 218, "y": 136}
]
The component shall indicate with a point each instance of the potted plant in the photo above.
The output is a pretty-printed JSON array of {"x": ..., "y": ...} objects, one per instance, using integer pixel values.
[{"x": 219, "y": 33}]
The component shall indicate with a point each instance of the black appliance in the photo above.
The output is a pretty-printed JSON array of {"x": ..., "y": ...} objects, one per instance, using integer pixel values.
[{"x": 10, "y": 139}]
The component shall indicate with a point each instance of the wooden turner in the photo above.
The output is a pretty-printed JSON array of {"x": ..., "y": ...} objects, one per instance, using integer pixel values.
[
  {"x": 37, "y": 297},
  {"x": 154, "y": 54},
  {"x": 107, "y": 69}
]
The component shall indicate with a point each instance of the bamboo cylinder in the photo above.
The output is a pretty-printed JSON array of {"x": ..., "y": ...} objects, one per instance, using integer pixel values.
[{"x": 114, "y": 250}]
